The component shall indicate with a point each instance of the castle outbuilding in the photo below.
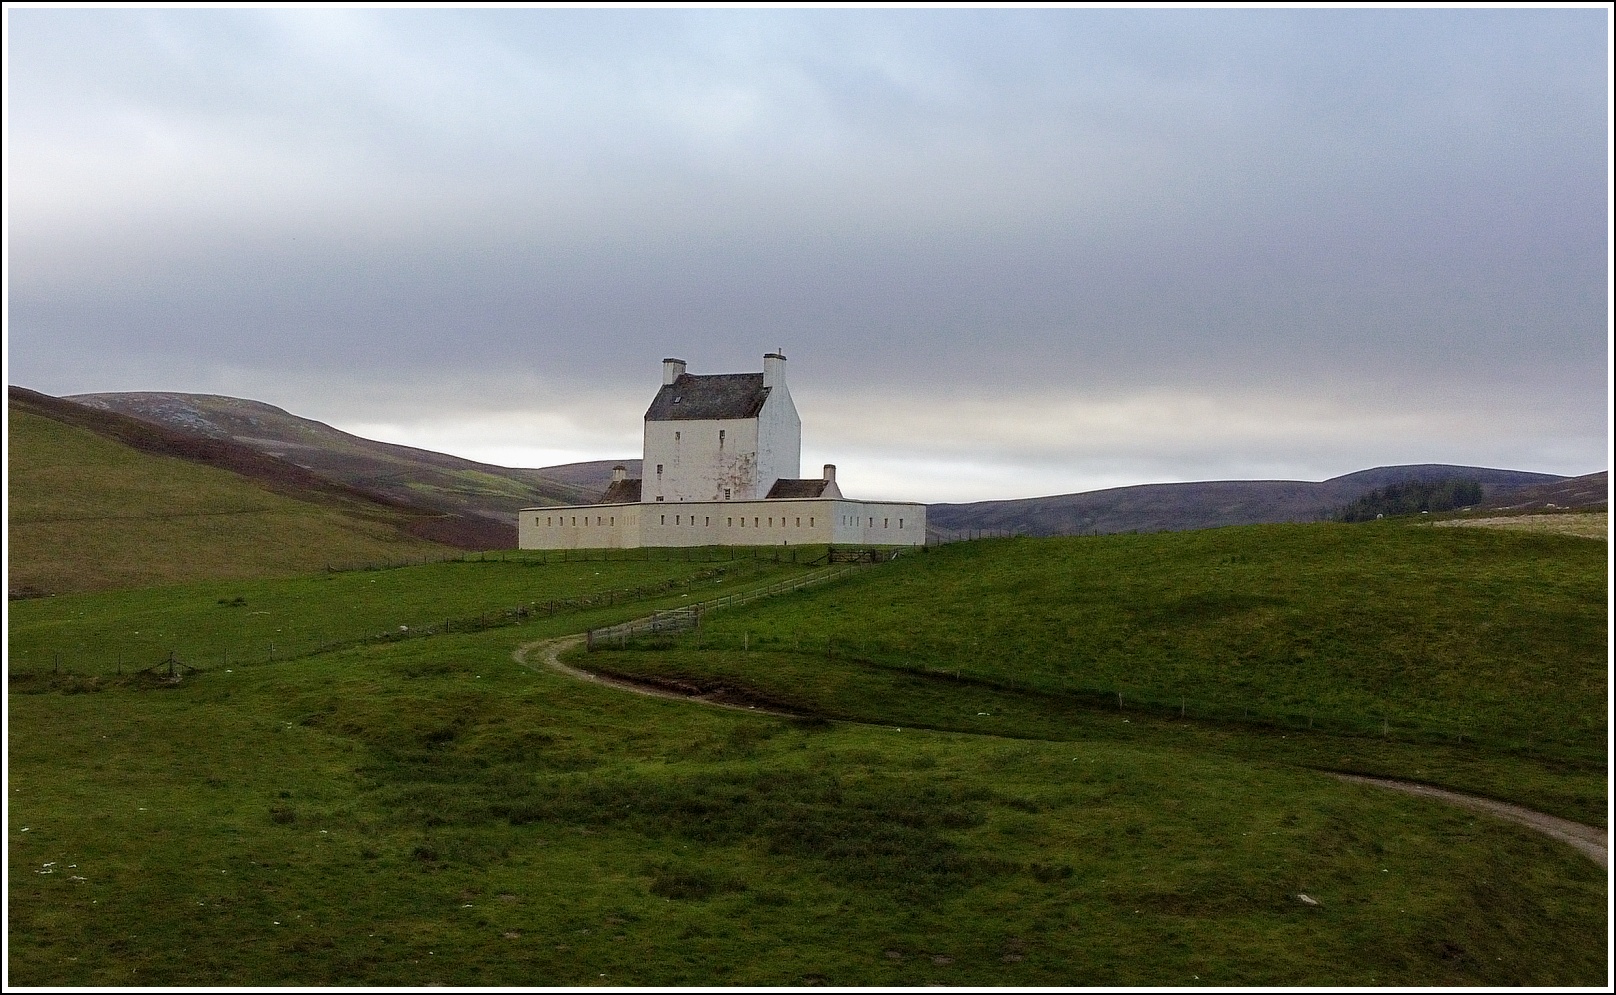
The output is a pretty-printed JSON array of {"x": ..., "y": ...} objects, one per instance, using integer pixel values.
[{"x": 721, "y": 462}]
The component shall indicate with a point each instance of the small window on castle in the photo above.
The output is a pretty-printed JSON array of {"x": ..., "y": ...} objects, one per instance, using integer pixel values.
[
  {"x": 676, "y": 437},
  {"x": 706, "y": 521},
  {"x": 720, "y": 436},
  {"x": 731, "y": 523},
  {"x": 810, "y": 522},
  {"x": 574, "y": 520},
  {"x": 547, "y": 521},
  {"x": 659, "y": 469},
  {"x": 743, "y": 521},
  {"x": 886, "y": 523},
  {"x": 771, "y": 523},
  {"x": 659, "y": 497},
  {"x": 613, "y": 520},
  {"x": 755, "y": 521},
  {"x": 726, "y": 494},
  {"x": 799, "y": 523},
  {"x": 664, "y": 519},
  {"x": 900, "y": 523},
  {"x": 676, "y": 519}
]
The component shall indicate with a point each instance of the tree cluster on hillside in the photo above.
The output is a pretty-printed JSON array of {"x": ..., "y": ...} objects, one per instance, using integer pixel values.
[{"x": 1412, "y": 497}]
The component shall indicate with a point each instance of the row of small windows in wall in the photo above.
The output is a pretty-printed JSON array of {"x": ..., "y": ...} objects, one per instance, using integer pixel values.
[
  {"x": 561, "y": 520},
  {"x": 729, "y": 521},
  {"x": 886, "y": 523}
]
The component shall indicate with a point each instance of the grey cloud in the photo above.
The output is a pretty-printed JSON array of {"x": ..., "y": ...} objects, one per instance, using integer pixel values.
[{"x": 955, "y": 203}]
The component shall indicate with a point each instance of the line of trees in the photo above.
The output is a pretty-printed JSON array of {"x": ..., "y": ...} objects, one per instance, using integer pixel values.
[{"x": 1412, "y": 497}]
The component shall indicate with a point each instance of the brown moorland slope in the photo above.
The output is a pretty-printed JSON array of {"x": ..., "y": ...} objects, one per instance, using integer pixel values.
[
  {"x": 1207, "y": 504},
  {"x": 418, "y": 476}
]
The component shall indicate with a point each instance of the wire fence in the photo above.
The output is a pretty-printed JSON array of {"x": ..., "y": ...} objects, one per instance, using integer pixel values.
[
  {"x": 632, "y": 554},
  {"x": 689, "y": 616},
  {"x": 1568, "y": 741},
  {"x": 200, "y": 653}
]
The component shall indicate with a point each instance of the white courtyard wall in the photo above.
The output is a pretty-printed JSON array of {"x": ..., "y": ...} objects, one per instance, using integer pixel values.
[
  {"x": 726, "y": 523},
  {"x": 590, "y": 526}
]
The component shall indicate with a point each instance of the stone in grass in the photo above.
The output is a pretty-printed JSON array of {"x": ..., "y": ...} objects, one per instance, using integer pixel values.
[{"x": 1308, "y": 899}]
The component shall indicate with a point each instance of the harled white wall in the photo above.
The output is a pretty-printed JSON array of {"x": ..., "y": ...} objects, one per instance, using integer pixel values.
[{"x": 726, "y": 523}]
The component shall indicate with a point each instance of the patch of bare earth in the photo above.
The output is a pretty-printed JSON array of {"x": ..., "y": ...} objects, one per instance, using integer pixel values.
[{"x": 1589, "y": 525}]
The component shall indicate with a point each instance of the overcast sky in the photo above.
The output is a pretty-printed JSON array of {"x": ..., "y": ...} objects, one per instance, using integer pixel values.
[{"x": 1006, "y": 253}]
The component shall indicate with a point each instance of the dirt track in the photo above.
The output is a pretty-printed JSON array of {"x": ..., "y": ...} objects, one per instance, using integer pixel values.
[{"x": 1594, "y": 843}]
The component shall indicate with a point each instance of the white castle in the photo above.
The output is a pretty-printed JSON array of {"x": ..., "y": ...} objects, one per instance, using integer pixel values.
[{"x": 722, "y": 455}]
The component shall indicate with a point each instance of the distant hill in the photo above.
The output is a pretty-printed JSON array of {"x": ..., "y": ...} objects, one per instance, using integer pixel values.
[
  {"x": 1585, "y": 493},
  {"x": 98, "y": 500},
  {"x": 1210, "y": 504},
  {"x": 417, "y": 476}
]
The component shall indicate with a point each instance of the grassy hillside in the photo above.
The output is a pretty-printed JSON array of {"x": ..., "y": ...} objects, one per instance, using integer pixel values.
[
  {"x": 429, "y": 811},
  {"x": 239, "y": 622},
  {"x": 436, "y": 480},
  {"x": 88, "y": 513},
  {"x": 1468, "y": 656}
]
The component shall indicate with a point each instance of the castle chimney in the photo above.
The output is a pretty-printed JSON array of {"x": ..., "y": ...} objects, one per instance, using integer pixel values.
[
  {"x": 619, "y": 473},
  {"x": 774, "y": 369},
  {"x": 672, "y": 369},
  {"x": 830, "y": 472}
]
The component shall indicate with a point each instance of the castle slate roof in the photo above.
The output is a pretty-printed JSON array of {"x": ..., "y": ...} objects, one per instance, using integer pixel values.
[
  {"x": 622, "y": 492},
  {"x": 784, "y": 488},
  {"x": 711, "y": 397}
]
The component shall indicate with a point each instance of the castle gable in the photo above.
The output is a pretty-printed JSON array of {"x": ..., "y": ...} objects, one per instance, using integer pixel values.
[{"x": 713, "y": 397}]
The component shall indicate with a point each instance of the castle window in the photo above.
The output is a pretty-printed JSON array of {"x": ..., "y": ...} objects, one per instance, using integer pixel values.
[
  {"x": 613, "y": 520},
  {"x": 743, "y": 521},
  {"x": 731, "y": 523},
  {"x": 676, "y": 437},
  {"x": 721, "y": 437},
  {"x": 664, "y": 519},
  {"x": 726, "y": 494},
  {"x": 810, "y": 522},
  {"x": 771, "y": 523},
  {"x": 755, "y": 521},
  {"x": 575, "y": 520},
  {"x": 900, "y": 523},
  {"x": 659, "y": 497},
  {"x": 547, "y": 521},
  {"x": 886, "y": 523},
  {"x": 659, "y": 469},
  {"x": 799, "y": 523},
  {"x": 676, "y": 519},
  {"x": 706, "y": 521}
]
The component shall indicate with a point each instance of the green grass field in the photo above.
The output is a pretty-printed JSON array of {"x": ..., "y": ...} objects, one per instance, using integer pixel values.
[
  {"x": 86, "y": 513},
  {"x": 425, "y": 810},
  {"x": 1469, "y": 657}
]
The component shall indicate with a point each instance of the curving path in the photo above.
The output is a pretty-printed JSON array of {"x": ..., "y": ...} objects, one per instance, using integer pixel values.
[
  {"x": 550, "y": 650},
  {"x": 1592, "y": 842},
  {"x": 1595, "y": 843}
]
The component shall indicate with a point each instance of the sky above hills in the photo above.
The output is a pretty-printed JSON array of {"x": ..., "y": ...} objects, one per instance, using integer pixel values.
[{"x": 1007, "y": 253}]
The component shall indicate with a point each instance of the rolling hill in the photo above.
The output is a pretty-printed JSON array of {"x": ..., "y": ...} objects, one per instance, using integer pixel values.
[
  {"x": 97, "y": 500},
  {"x": 418, "y": 476},
  {"x": 1213, "y": 504},
  {"x": 458, "y": 486}
]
